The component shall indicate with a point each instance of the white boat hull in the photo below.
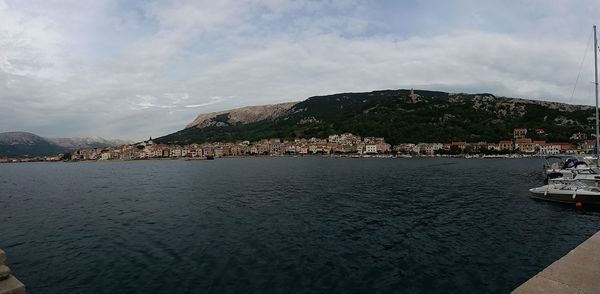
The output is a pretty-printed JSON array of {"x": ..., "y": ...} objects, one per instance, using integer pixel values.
[{"x": 549, "y": 193}]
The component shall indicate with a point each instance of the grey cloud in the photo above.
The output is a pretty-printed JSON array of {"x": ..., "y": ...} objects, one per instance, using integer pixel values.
[{"x": 134, "y": 72}]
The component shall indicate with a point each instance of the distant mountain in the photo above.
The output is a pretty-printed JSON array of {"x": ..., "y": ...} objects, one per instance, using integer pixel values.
[
  {"x": 398, "y": 115},
  {"x": 28, "y": 144},
  {"x": 87, "y": 142}
]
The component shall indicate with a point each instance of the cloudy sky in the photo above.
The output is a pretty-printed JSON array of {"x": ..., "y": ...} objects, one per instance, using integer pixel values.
[{"x": 133, "y": 69}]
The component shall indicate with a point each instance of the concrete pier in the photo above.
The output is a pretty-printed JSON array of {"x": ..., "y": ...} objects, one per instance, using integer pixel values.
[
  {"x": 8, "y": 283},
  {"x": 576, "y": 272}
]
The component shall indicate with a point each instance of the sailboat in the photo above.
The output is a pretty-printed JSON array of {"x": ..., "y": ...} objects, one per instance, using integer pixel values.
[{"x": 586, "y": 188}]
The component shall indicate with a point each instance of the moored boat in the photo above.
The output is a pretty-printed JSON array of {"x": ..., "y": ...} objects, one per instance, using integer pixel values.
[
  {"x": 574, "y": 192},
  {"x": 572, "y": 180}
]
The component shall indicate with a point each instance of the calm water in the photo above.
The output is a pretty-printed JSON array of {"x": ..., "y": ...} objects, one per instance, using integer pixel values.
[{"x": 282, "y": 225}]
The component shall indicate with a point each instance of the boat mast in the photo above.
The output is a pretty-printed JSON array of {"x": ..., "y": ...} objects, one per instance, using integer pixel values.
[{"x": 596, "y": 86}]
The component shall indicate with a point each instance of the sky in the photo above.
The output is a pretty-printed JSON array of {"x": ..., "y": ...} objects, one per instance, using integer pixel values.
[{"x": 134, "y": 69}]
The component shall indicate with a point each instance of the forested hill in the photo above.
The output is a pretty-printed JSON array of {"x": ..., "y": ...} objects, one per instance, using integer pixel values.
[{"x": 397, "y": 115}]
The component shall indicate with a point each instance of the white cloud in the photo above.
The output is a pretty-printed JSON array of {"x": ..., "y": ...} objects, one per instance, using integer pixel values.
[
  {"x": 130, "y": 70},
  {"x": 213, "y": 100}
]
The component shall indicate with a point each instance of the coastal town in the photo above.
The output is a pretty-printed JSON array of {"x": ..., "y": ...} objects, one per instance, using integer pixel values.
[{"x": 346, "y": 144}]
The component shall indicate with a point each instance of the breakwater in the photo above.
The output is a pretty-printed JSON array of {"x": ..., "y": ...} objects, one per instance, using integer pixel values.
[{"x": 8, "y": 283}]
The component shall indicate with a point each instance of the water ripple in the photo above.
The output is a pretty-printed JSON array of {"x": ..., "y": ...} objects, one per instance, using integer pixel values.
[{"x": 282, "y": 225}]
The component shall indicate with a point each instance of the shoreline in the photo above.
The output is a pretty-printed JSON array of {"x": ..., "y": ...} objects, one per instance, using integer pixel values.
[{"x": 380, "y": 156}]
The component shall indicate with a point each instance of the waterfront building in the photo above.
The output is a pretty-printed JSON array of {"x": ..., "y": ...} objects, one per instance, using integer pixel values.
[
  {"x": 333, "y": 139},
  {"x": 383, "y": 147},
  {"x": 105, "y": 156},
  {"x": 346, "y": 143},
  {"x": 218, "y": 151},
  {"x": 587, "y": 146},
  {"x": 521, "y": 141},
  {"x": 493, "y": 147},
  {"x": 550, "y": 149},
  {"x": 505, "y": 145},
  {"x": 263, "y": 148},
  {"x": 538, "y": 143},
  {"x": 370, "y": 148},
  {"x": 175, "y": 152},
  {"x": 302, "y": 149},
  {"x": 565, "y": 147},
  {"x": 459, "y": 145},
  {"x": 426, "y": 148},
  {"x": 527, "y": 148},
  {"x": 478, "y": 146}
]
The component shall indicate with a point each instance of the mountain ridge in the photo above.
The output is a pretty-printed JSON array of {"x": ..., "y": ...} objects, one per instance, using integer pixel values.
[
  {"x": 21, "y": 143},
  {"x": 402, "y": 115}
]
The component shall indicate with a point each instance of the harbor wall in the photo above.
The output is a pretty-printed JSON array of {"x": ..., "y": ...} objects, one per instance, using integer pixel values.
[
  {"x": 8, "y": 283},
  {"x": 576, "y": 272}
]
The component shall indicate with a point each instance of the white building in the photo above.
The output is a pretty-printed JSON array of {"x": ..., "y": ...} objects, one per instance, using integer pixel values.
[
  {"x": 105, "y": 156},
  {"x": 550, "y": 149},
  {"x": 371, "y": 148}
]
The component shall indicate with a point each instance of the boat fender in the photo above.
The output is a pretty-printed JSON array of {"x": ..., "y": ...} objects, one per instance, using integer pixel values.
[
  {"x": 574, "y": 193},
  {"x": 546, "y": 191}
]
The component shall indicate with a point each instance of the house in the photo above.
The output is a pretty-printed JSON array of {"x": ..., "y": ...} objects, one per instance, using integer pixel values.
[
  {"x": 218, "y": 151},
  {"x": 459, "y": 145},
  {"x": 519, "y": 133},
  {"x": 263, "y": 149},
  {"x": 383, "y": 147},
  {"x": 505, "y": 145},
  {"x": 371, "y": 148},
  {"x": 579, "y": 136},
  {"x": 527, "y": 148},
  {"x": 565, "y": 147},
  {"x": 253, "y": 150},
  {"x": 521, "y": 141},
  {"x": 537, "y": 144},
  {"x": 105, "y": 156},
  {"x": 479, "y": 146},
  {"x": 493, "y": 147},
  {"x": 275, "y": 149},
  {"x": 425, "y": 148},
  {"x": 404, "y": 148},
  {"x": 196, "y": 152},
  {"x": 302, "y": 149},
  {"x": 207, "y": 150},
  {"x": 550, "y": 149},
  {"x": 176, "y": 152},
  {"x": 588, "y": 146},
  {"x": 333, "y": 139}
]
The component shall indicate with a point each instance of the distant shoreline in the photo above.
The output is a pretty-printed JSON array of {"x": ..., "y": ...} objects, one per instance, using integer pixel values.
[{"x": 511, "y": 156}]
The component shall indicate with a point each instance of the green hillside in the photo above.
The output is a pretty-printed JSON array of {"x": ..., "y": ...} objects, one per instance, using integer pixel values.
[{"x": 400, "y": 117}]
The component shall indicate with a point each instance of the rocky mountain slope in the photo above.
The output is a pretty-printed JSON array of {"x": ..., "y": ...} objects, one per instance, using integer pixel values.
[
  {"x": 242, "y": 115},
  {"x": 399, "y": 116}
]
